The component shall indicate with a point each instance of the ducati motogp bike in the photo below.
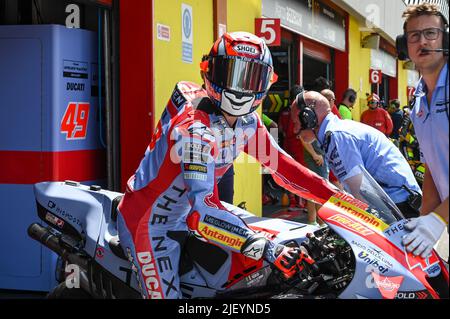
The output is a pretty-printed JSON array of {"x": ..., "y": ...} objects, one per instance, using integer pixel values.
[{"x": 357, "y": 254}]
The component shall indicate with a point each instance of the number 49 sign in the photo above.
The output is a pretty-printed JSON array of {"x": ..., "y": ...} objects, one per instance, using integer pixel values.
[
  {"x": 268, "y": 29},
  {"x": 75, "y": 120}
]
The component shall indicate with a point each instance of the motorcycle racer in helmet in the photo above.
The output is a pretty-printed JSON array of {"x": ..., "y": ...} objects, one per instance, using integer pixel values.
[
  {"x": 174, "y": 190},
  {"x": 238, "y": 73}
]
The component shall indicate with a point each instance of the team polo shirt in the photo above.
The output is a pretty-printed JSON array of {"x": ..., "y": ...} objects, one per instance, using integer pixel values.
[
  {"x": 348, "y": 144},
  {"x": 431, "y": 126}
]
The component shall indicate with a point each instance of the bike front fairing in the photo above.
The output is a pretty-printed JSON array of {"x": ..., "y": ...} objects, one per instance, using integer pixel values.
[{"x": 373, "y": 227}]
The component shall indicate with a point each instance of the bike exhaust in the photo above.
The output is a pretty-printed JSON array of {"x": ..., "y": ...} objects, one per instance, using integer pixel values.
[
  {"x": 57, "y": 244},
  {"x": 94, "y": 280}
]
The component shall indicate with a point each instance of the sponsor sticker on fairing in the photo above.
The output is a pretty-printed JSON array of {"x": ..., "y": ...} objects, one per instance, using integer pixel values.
[
  {"x": 423, "y": 294},
  {"x": 388, "y": 286},
  {"x": 218, "y": 235},
  {"x": 254, "y": 278},
  {"x": 354, "y": 202},
  {"x": 350, "y": 224},
  {"x": 373, "y": 253},
  {"x": 373, "y": 262},
  {"x": 100, "y": 252},
  {"x": 54, "y": 220},
  {"x": 434, "y": 270},
  {"x": 356, "y": 209}
]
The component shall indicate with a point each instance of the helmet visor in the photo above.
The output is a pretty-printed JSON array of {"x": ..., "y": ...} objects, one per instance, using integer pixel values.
[{"x": 239, "y": 73}]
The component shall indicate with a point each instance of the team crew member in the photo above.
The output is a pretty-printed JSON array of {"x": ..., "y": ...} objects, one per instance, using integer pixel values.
[
  {"x": 349, "y": 144},
  {"x": 376, "y": 116},
  {"x": 200, "y": 133},
  {"x": 347, "y": 103},
  {"x": 329, "y": 95},
  {"x": 397, "y": 118},
  {"x": 425, "y": 41}
]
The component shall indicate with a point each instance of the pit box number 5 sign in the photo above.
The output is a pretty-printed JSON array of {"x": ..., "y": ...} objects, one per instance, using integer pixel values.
[{"x": 268, "y": 29}]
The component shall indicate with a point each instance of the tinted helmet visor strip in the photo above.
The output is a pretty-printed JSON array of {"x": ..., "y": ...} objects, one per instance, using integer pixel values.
[{"x": 239, "y": 74}]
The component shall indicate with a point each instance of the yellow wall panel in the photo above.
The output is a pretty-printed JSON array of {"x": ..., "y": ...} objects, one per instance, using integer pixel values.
[
  {"x": 359, "y": 65},
  {"x": 241, "y": 16},
  {"x": 402, "y": 83},
  {"x": 168, "y": 64}
]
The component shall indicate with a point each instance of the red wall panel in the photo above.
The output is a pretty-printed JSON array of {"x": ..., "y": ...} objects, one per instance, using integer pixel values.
[
  {"x": 393, "y": 86},
  {"x": 341, "y": 69},
  {"x": 136, "y": 87}
]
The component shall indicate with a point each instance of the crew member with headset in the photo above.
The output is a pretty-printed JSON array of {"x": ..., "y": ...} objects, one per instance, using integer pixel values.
[
  {"x": 348, "y": 100},
  {"x": 348, "y": 145},
  {"x": 425, "y": 42}
]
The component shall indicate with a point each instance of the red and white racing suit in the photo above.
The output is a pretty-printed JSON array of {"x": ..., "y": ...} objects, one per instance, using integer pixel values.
[{"x": 175, "y": 187}]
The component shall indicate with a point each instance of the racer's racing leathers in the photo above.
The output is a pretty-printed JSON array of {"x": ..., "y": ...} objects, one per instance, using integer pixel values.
[{"x": 175, "y": 188}]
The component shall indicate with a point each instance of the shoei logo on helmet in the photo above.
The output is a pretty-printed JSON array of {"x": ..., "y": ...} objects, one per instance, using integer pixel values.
[{"x": 246, "y": 49}]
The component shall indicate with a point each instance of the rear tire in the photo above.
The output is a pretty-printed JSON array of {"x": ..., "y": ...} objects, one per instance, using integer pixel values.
[{"x": 63, "y": 292}]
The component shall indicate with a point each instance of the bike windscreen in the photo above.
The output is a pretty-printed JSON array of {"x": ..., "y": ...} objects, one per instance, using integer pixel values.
[{"x": 363, "y": 187}]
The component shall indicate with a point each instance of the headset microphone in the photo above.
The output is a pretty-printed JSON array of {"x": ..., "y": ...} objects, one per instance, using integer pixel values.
[
  {"x": 435, "y": 50},
  {"x": 401, "y": 43}
]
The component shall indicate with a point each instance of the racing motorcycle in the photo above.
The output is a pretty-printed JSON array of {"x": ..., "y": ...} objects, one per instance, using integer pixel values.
[{"x": 358, "y": 254}]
